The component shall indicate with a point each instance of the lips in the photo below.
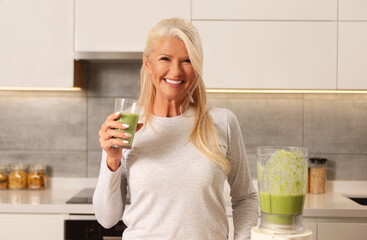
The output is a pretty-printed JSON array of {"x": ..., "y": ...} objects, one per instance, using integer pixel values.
[{"x": 174, "y": 82}]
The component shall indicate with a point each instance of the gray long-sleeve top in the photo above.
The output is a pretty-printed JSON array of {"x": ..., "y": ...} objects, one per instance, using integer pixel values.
[{"x": 176, "y": 192}]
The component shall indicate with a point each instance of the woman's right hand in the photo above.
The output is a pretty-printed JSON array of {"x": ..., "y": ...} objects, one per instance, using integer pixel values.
[{"x": 108, "y": 137}]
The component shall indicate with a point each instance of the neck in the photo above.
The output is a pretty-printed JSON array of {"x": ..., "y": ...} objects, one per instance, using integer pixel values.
[{"x": 167, "y": 108}]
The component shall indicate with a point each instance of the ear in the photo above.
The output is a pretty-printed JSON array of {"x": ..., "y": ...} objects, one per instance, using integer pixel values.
[{"x": 147, "y": 66}]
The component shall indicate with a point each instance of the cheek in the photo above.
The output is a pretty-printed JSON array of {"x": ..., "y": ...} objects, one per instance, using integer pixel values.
[
  {"x": 190, "y": 74},
  {"x": 158, "y": 71}
]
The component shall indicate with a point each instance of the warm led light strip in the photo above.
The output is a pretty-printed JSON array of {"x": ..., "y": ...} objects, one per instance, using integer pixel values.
[
  {"x": 217, "y": 90},
  {"x": 65, "y": 89}
]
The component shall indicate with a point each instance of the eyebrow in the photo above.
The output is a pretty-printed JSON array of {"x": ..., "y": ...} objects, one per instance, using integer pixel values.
[{"x": 167, "y": 55}]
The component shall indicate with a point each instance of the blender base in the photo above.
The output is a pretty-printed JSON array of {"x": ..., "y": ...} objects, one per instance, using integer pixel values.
[{"x": 256, "y": 234}]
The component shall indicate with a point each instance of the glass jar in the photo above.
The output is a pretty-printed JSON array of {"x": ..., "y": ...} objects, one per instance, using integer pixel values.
[
  {"x": 18, "y": 176},
  {"x": 37, "y": 177},
  {"x": 318, "y": 175},
  {"x": 4, "y": 180}
]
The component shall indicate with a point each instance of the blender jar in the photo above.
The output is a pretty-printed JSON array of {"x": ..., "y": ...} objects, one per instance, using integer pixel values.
[{"x": 282, "y": 183}]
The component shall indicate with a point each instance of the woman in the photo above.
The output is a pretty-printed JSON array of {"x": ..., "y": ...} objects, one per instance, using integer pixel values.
[{"x": 181, "y": 157}]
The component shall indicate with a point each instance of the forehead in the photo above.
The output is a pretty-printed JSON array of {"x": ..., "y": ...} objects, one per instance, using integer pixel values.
[{"x": 171, "y": 46}]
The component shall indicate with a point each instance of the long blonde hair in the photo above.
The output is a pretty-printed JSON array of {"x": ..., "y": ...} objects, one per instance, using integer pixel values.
[{"x": 203, "y": 136}]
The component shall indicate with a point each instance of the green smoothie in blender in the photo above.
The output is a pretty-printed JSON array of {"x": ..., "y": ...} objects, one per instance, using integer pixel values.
[{"x": 282, "y": 178}]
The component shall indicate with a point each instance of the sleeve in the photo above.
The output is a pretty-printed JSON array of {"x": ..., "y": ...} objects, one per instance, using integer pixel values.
[
  {"x": 109, "y": 198},
  {"x": 245, "y": 203}
]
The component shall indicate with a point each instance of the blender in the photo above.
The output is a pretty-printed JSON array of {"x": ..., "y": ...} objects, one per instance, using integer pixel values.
[{"x": 282, "y": 183}]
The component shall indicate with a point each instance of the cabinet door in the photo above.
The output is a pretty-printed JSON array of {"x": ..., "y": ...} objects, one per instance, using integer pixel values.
[
  {"x": 342, "y": 231},
  {"x": 269, "y": 55},
  {"x": 311, "y": 224},
  {"x": 352, "y": 9},
  {"x": 32, "y": 226},
  {"x": 36, "y": 43},
  {"x": 352, "y": 45},
  {"x": 121, "y": 25},
  {"x": 265, "y": 9}
]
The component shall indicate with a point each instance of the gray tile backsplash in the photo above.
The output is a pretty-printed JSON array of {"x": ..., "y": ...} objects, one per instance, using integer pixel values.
[
  {"x": 60, "y": 129},
  {"x": 43, "y": 123},
  {"x": 114, "y": 79},
  {"x": 336, "y": 123},
  {"x": 98, "y": 110},
  {"x": 60, "y": 163},
  {"x": 272, "y": 120}
]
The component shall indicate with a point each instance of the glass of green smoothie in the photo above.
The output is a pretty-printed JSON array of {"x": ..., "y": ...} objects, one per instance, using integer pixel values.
[
  {"x": 282, "y": 182},
  {"x": 129, "y": 114}
]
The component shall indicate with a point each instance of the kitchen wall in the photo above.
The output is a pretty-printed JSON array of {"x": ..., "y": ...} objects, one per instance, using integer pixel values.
[{"x": 60, "y": 129}]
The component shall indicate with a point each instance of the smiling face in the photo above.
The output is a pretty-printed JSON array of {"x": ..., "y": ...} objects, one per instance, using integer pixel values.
[{"x": 171, "y": 71}]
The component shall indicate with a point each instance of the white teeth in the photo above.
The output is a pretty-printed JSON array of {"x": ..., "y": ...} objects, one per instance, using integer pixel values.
[{"x": 172, "y": 81}]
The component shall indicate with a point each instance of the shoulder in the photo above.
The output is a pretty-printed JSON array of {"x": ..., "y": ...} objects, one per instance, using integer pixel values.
[{"x": 222, "y": 116}]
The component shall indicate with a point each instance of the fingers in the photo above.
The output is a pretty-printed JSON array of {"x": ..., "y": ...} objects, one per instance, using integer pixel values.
[
  {"x": 113, "y": 116},
  {"x": 111, "y": 133},
  {"x": 112, "y": 123},
  {"x": 107, "y": 144}
]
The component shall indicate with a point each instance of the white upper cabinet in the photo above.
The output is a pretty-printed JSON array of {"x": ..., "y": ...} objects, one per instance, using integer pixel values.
[
  {"x": 265, "y": 9},
  {"x": 352, "y": 61},
  {"x": 352, "y": 9},
  {"x": 121, "y": 25},
  {"x": 36, "y": 47},
  {"x": 269, "y": 55}
]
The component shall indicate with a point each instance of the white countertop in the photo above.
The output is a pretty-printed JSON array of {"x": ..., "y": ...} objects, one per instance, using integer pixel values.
[{"x": 53, "y": 199}]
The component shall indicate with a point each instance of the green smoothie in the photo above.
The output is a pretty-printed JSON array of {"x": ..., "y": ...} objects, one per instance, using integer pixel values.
[
  {"x": 281, "y": 206},
  {"x": 132, "y": 120}
]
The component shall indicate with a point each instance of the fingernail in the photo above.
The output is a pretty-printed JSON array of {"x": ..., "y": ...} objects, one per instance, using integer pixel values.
[
  {"x": 127, "y": 134},
  {"x": 124, "y": 141},
  {"x": 117, "y": 113},
  {"x": 125, "y": 125}
]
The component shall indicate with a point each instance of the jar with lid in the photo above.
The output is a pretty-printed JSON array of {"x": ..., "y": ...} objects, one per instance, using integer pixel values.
[
  {"x": 18, "y": 176},
  {"x": 4, "y": 180},
  {"x": 318, "y": 175},
  {"x": 37, "y": 177}
]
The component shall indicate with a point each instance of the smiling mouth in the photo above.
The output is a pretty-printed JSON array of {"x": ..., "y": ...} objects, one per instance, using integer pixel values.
[{"x": 170, "y": 81}]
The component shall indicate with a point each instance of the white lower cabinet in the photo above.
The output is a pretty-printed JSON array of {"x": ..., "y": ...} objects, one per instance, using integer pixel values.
[
  {"x": 32, "y": 226},
  {"x": 311, "y": 224},
  {"x": 341, "y": 230}
]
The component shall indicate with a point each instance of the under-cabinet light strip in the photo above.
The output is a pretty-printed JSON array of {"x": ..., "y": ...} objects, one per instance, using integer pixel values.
[
  {"x": 65, "y": 89},
  {"x": 209, "y": 90},
  {"x": 217, "y": 90}
]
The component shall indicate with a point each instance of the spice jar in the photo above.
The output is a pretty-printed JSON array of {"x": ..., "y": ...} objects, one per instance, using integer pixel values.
[
  {"x": 37, "y": 177},
  {"x": 4, "y": 181},
  {"x": 318, "y": 175},
  {"x": 18, "y": 176}
]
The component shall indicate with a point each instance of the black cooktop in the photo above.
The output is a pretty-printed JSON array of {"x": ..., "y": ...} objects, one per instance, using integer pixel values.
[{"x": 83, "y": 197}]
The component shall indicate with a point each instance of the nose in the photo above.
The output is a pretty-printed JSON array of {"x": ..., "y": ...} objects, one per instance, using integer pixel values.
[{"x": 176, "y": 69}]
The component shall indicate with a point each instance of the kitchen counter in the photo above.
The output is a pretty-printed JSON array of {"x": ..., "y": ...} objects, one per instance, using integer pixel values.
[
  {"x": 41, "y": 201},
  {"x": 53, "y": 199},
  {"x": 332, "y": 205}
]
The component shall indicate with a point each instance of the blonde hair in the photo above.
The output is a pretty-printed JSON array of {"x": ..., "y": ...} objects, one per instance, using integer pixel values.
[{"x": 203, "y": 136}]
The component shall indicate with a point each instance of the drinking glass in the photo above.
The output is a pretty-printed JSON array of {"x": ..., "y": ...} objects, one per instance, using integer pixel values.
[{"x": 129, "y": 114}]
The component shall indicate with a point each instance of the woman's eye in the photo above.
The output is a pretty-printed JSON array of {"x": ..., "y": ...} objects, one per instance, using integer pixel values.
[
  {"x": 187, "y": 61},
  {"x": 164, "y": 59}
]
